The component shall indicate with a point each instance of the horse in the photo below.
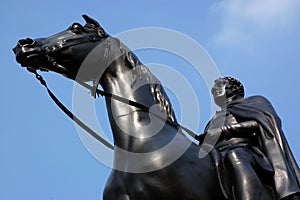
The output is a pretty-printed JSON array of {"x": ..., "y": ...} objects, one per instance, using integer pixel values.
[{"x": 153, "y": 158}]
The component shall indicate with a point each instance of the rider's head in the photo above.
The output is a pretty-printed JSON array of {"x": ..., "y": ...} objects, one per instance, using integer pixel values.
[{"x": 226, "y": 90}]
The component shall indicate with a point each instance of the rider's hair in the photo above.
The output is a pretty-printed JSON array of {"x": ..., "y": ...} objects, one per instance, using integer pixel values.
[{"x": 236, "y": 85}]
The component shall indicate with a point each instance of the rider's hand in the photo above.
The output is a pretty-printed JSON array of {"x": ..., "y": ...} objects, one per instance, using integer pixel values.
[{"x": 214, "y": 134}]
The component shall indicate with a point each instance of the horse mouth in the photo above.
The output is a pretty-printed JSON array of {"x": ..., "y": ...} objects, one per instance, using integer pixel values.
[{"x": 28, "y": 54}]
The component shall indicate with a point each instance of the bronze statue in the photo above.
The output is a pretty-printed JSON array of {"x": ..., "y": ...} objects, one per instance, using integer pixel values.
[
  {"x": 148, "y": 164},
  {"x": 251, "y": 149}
]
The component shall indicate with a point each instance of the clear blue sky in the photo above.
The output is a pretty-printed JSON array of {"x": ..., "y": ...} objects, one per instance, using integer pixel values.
[{"x": 41, "y": 155}]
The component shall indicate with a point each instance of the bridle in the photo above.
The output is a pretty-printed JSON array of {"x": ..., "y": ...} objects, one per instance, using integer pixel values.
[
  {"x": 65, "y": 43},
  {"x": 45, "y": 50}
]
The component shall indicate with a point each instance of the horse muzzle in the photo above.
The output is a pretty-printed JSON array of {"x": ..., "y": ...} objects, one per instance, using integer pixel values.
[{"x": 28, "y": 54}]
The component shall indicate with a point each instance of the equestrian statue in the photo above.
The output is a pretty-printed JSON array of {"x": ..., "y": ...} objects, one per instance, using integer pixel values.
[{"x": 153, "y": 157}]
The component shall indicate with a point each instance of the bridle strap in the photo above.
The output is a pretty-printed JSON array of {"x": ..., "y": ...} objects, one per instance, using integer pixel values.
[
  {"x": 95, "y": 91},
  {"x": 68, "y": 42},
  {"x": 115, "y": 97}
]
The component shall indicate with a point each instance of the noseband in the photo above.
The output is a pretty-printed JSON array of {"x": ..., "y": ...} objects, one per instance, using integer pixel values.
[{"x": 68, "y": 42}]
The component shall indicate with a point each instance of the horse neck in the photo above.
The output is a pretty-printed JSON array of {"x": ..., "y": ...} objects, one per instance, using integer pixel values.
[{"x": 128, "y": 78}]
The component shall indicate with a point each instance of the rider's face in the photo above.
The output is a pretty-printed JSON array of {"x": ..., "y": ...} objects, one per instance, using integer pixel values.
[
  {"x": 221, "y": 92},
  {"x": 219, "y": 89}
]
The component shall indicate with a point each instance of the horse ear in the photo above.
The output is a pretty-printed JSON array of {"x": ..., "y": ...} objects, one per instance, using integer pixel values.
[{"x": 90, "y": 20}]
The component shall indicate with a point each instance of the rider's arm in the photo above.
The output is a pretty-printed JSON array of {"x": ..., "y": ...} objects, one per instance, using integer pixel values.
[{"x": 243, "y": 129}]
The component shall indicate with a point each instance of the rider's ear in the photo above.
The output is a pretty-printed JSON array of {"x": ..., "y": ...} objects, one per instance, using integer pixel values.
[{"x": 90, "y": 20}]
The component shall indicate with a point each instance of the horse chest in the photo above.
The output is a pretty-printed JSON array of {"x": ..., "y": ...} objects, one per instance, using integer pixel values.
[
  {"x": 146, "y": 186},
  {"x": 177, "y": 181}
]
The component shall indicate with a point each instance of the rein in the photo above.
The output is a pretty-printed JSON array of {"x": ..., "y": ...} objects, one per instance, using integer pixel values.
[
  {"x": 94, "y": 90},
  {"x": 70, "y": 114},
  {"x": 111, "y": 96}
]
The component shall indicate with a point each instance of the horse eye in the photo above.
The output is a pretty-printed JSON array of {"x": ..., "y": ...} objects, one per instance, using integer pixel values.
[{"x": 76, "y": 28}]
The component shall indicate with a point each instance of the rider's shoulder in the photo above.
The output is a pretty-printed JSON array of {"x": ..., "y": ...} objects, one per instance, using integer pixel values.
[{"x": 258, "y": 98}]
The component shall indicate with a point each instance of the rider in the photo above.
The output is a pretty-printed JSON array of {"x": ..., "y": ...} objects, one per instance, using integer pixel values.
[{"x": 251, "y": 148}]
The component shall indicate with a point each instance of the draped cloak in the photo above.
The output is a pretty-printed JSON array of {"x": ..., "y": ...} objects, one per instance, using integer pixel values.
[{"x": 272, "y": 141}]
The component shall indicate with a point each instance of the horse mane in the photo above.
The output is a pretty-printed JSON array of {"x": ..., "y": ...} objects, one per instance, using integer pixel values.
[
  {"x": 163, "y": 100},
  {"x": 160, "y": 97}
]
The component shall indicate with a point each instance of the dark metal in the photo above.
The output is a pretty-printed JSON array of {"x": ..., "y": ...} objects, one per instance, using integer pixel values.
[
  {"x": 188, "y": 177},
  {"x": 251, "y": 151},
  {"x": 196, "y": 176}
]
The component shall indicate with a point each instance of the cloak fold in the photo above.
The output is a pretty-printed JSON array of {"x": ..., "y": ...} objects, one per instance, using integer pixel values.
[{"x": 272, "y": 140}]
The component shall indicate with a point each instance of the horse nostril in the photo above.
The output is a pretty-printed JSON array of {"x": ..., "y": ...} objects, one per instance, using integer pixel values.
[{"x": 26, "y": 42}]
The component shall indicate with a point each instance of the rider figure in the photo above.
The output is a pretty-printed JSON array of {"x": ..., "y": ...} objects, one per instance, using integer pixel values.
[{"x": 250, "y": 149}]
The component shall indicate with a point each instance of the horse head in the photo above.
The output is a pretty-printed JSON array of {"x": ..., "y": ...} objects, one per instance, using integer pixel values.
[{"x": 63, "y": 52}]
